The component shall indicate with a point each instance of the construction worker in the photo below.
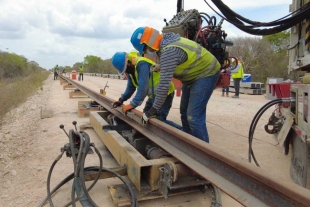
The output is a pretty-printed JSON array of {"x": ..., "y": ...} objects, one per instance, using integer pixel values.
[
  {"x": 140, "y": 77},
  {"x": 55, "y": 72},
  {"x": 237, "y": 74},
  {"x": 187, "y": 61},
  {"x": 81, "y": 72}
]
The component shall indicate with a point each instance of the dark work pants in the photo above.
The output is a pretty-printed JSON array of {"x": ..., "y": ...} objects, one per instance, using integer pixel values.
[{"x": 237, "y": 85}]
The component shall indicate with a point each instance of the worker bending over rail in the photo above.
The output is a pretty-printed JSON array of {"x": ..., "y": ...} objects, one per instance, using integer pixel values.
[
  {"x": 140, "y": 77},
  {"x": 187, "y": 61}
]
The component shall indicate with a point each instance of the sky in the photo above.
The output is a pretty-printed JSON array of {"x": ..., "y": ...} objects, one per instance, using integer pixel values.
[{"x": 63, "y": 32}]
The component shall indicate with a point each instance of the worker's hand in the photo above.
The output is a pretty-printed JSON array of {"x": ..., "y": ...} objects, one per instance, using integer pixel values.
[
  {"x": 117, "y": 103},
  {"x": 147, "y": 115},
  {"x": 155, "y": 68},
  {"x": 127, "y": 108}
]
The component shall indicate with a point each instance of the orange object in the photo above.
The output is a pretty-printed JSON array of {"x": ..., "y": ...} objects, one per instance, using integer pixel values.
[
  {"x": 178, "y": 86},
  {"x": 127, "y": 108},
  {"x": 73, "y": 75},
  {"x": 223, "y": 81}
]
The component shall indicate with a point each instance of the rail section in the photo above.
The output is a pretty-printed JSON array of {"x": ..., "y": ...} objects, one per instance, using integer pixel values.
[{"x": 246, "y": 183}]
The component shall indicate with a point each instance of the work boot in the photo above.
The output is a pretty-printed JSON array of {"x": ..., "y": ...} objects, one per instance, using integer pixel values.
[
  {"x": 222, "y": 94},
  {"x": 235, "y": 96},
  {"x": 227, "y": 95}
]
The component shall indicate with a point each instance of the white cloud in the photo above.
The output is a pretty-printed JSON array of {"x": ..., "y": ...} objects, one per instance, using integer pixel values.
[{"x": 63, "y": 32}]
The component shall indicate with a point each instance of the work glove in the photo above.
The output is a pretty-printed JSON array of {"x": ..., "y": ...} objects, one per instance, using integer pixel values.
[
  {"x": 117, "y": 103},
  {"x": 127, "y": 108},
  {"x": 147, "y": 115},
  {"x": 155, "y": 68}
]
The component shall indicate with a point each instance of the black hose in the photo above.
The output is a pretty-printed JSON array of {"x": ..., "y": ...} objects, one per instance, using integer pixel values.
[
  {"x": 253, "y": 125},
  {"x": 251, "y": 130},
  {"x": 81, "y": 169},
  {"x": 49, "y": 197},
  {"x": 97, "y": 177},
  {"x": 278, "y": 25},
  {"x": 255, "y": 121},
  {"x": 94, "y": 168},
  {"x": 78, "y": 185}
]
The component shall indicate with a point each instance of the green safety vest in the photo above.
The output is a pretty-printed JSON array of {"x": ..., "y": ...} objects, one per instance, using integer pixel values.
[
  {"x": 81, "y": 70},
  {"x": 200, "y": 62},
  {"x": 156, "y": 78},
  {"x": 238, "y": 71}
]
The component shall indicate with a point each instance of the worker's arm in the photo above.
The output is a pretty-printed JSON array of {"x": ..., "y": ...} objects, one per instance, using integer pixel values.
[
  {"x": 130, "y": 89},
  {"x": 169, "y": 60},
  {"x": 143, "y": 69}
]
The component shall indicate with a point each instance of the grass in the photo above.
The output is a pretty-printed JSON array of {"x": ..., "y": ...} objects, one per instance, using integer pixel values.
[{"x": 15, "y": 91}]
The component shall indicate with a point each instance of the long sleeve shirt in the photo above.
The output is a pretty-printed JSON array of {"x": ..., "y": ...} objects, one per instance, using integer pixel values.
[
  {"x": 143, "y": 70},
  {"x": 169, "y": 59}
]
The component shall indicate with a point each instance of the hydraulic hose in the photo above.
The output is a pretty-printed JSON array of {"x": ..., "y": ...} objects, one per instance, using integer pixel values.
[
  {"x": 49, "y": 179},
  {"x": 93, "y": 168},
  {"x": 255, "y": 121}
]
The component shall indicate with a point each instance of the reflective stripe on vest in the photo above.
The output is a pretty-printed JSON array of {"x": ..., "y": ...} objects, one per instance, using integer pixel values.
[
  {"x": 156, "y": 78},
  {"x": 238, "y": 71},
  {"x": 200, "y": 62}
]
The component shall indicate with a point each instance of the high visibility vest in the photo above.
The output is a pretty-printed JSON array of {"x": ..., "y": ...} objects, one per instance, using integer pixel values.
[
  {"x": 81, "y": 70},
  {"x": 200, "y": 62},
  {"x": 155, "y": 75},
  {"x": 238, "y": 71}
]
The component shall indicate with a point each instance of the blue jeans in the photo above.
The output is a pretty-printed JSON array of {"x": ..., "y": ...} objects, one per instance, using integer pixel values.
[
  {"x": 164, "y": 110},
  {"x": 194, "y": 104},
  {"x": 225, "y": 90}
]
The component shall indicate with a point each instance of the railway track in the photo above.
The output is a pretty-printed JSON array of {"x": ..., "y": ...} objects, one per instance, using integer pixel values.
[{"x": 245, "y": 183}]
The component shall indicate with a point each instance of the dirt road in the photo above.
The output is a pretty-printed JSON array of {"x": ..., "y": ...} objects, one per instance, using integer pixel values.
[{"x": 29, "y": 144}]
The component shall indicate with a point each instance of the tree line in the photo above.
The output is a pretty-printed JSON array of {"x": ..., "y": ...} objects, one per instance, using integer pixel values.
[
  {"x": 13, "y": 65},
  {"x": 262, "y": 57},
  {"x": 92, "y": 64}
]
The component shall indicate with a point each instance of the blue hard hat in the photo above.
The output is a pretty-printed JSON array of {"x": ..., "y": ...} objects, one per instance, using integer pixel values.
[
  {"x": 119, "y": 61},
  {"x": 135, "y": 39}
]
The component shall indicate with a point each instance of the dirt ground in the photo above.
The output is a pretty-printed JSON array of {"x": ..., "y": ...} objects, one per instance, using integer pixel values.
[{"x": 29, "y": 144}]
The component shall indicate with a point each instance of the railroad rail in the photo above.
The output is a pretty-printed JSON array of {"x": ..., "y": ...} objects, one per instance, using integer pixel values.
[{"x": 246, "y": 183}]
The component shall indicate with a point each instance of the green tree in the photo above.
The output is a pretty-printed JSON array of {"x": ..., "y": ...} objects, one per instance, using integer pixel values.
[
  {"x": 262, "y": 58},
  {"x": 279, "y": 40}
]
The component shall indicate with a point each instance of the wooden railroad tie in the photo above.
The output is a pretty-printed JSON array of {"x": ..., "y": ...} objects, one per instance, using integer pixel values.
[
  {"x": 77, "y": 94},
  {"x": 69, "y": 87},
  {"x": 62, "y": 81},
  {"x": 85, "y": 107}
]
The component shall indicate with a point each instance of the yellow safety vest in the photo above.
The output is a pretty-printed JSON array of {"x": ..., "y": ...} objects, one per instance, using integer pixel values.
[
  {"x": 156, "y": 78},
  {"x": 81, "y": 70},
  {"x": 238, "y": 71},
  {"x": 200, "y": 62}
]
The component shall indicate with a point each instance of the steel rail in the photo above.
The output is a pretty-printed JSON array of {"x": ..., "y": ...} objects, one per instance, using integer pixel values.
[{"x": 244, "y": 182}]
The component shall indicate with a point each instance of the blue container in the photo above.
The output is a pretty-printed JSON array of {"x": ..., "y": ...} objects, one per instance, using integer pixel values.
[{"x": 246, "y": 78}]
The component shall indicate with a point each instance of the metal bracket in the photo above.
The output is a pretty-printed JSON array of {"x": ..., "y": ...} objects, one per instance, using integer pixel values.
[{"x": 166, "y": 178}]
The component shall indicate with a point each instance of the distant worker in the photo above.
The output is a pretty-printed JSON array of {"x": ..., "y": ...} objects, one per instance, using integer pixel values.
[
  {"x": 187, "y": 61},
  {"x": 140, "y": 77},
  {"x": 226, "y": 90},
  {"x": 64, "y": 71},
  {"x": 81, "y": 72},
  {"x": 55, "y": 72},
  {"x": 237, "y": 74}
]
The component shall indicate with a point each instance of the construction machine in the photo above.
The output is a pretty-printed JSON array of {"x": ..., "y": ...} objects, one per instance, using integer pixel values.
[
  {"x": 161, "y": 161},
  {"x": 290, "y": 123}
]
